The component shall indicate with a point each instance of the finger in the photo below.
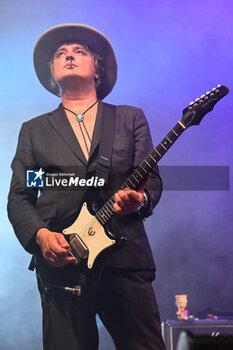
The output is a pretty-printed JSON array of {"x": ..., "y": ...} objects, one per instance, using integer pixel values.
[
  {"x": 51, "y": 261},
  {"x": 60, "y": 262},
  {"x": 62, "y": 241},
  {"x": 57, "y": 249},
  {"x": 65, "y": 261},
  {"x": 123, "y": 197},
  {"x": 116, "y": 207},
  {"x": 135, "y": 197},
  {"x": 133, "y": 200},
  {"x": 121, "y": 211},
  {"x": 49, "y": 254},
  {"x": 123, "y": 194},
  {"x": 120, "y": 202},
  {"x": 61, "y": 253},
  {"x": 53, "y": 252}
]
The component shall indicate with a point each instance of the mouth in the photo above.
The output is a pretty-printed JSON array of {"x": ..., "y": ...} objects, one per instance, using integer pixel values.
[{"x": 70, "y": 66}]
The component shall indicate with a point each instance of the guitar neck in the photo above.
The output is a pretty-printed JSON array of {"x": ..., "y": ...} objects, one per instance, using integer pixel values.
[{"x": 140, "y": 173}]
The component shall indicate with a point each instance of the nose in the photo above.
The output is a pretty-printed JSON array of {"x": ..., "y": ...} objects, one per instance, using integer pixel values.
[{"x": 69, "y": 58}]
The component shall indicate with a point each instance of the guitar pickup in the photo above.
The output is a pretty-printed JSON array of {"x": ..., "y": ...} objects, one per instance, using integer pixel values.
[{"x": 78, "y": 248}]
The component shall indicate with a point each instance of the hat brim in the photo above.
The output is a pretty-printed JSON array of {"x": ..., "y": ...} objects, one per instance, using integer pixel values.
[{"x": 97, "y": 42}]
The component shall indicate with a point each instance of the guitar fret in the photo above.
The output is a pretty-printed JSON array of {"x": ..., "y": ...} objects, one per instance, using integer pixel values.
[
  {"x": 106, "y": 212},
  {"x": 172, "y": 137},
  {"x": 100, "y": 219},
  {"x": 110, "y": 208},
  {"x": 104, "y": 218},
  {"x": 152, "y": 157},
  {"x": 135, "y": 178},
  {"x": 147, "y": 163},
  {"x": 112, "y": 200},
  {"x": 130, "y": 182},
  {"x": 169, "y": 140},
  {"x": 163, "y": 146},
  {"x": 141, "y": 171},
  {"x": 175, "y": 132},
  {"x": 138, "y": 172},
  {"x": 106, "y": 208},
  {"x": 158, "y": 152}
]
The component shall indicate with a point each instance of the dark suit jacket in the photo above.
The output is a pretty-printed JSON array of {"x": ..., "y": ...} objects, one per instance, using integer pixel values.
[{"x": 48, "y": 141}]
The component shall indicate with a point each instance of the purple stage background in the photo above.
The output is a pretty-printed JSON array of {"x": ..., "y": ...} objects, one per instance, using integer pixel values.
[{"x": 169, "y": 53}]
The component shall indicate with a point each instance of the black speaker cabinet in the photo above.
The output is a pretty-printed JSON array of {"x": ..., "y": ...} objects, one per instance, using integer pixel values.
[{"x": 172, "y": 329}]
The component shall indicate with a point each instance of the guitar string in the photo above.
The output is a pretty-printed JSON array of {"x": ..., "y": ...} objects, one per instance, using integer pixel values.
[{"x": 95, "y": 220}]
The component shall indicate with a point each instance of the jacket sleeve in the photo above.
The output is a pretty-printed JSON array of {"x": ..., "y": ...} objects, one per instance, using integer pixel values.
[
  {"x": 143, "y": 146},
  {"x": 21, "y": 200}
]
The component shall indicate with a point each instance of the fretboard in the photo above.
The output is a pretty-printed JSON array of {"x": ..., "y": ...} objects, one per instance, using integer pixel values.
[{"x": 140, "y": 173}]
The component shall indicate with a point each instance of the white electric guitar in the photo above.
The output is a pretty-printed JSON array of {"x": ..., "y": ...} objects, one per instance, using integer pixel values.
[{"x": 88, "y": 235}]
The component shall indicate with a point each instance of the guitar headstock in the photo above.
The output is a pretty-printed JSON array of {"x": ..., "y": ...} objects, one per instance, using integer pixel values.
[{"x": 193, "y": 114}]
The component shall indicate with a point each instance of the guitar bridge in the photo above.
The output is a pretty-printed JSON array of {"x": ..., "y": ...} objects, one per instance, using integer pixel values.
[{"x": 78, "y": 248}]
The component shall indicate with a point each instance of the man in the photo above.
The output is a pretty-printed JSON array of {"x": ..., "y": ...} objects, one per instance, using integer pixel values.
[{"x": 78, "y": 63}]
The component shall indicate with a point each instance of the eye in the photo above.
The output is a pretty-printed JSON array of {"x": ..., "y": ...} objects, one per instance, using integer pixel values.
[
  {"x": 59, "y": 54},
  {"x": 80, "y": 51}
]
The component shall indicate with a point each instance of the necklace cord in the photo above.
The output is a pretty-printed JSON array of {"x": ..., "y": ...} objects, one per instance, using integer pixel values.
[
  {"x": 84, "y": 138},
  {"x": 81, "y": 114},
  {"x": 80, "y": 120}
]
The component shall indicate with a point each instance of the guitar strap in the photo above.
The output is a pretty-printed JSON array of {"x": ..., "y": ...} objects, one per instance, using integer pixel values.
[{"x": 106, "y": 141}]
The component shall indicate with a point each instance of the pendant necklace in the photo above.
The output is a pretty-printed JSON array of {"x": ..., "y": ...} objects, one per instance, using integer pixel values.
[{"x": 79, "y": 117}]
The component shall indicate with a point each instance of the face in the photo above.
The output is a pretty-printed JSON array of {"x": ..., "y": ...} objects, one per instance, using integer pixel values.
[
  {"x": 182, "y": 304},
  {"x": 73, "y": 60}
]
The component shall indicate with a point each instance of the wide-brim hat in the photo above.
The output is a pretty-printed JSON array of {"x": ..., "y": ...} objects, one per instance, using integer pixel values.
[{"x": 96, "y": 41}]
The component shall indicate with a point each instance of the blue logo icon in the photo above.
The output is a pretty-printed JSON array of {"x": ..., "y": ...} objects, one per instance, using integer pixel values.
[{"x": 35, "y": 178}]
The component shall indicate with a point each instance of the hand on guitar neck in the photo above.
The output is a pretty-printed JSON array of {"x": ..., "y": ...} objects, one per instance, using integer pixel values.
[
  {"x": 54, "y": 247},
  {"x": 128, "y": 200}
]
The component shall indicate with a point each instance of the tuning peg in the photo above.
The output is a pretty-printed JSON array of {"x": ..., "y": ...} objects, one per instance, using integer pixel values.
[
  {"x": 191, "y": 103},
  {"x": 197, "y": 99},
  {"x": 208, "y": 92},
  {"x": 219, "y": 85},
  {"x": 202, "y": 96},
  {"x": 213, "y": 89}
]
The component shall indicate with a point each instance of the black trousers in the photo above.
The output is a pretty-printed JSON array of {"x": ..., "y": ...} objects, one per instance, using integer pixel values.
[{"x": 125, "y": 303}]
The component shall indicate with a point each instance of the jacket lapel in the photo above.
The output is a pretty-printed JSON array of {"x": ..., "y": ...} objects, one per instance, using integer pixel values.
[{"x": 60, "y": 123}]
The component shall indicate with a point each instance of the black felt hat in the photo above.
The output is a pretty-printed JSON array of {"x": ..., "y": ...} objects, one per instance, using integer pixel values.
[{"x": 96, "y": 41}]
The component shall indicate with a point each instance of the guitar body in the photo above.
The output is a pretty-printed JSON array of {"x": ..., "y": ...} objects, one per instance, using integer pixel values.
[
  {"x": 91, "y": 244},
  {"x": 88, "y": 236}
]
